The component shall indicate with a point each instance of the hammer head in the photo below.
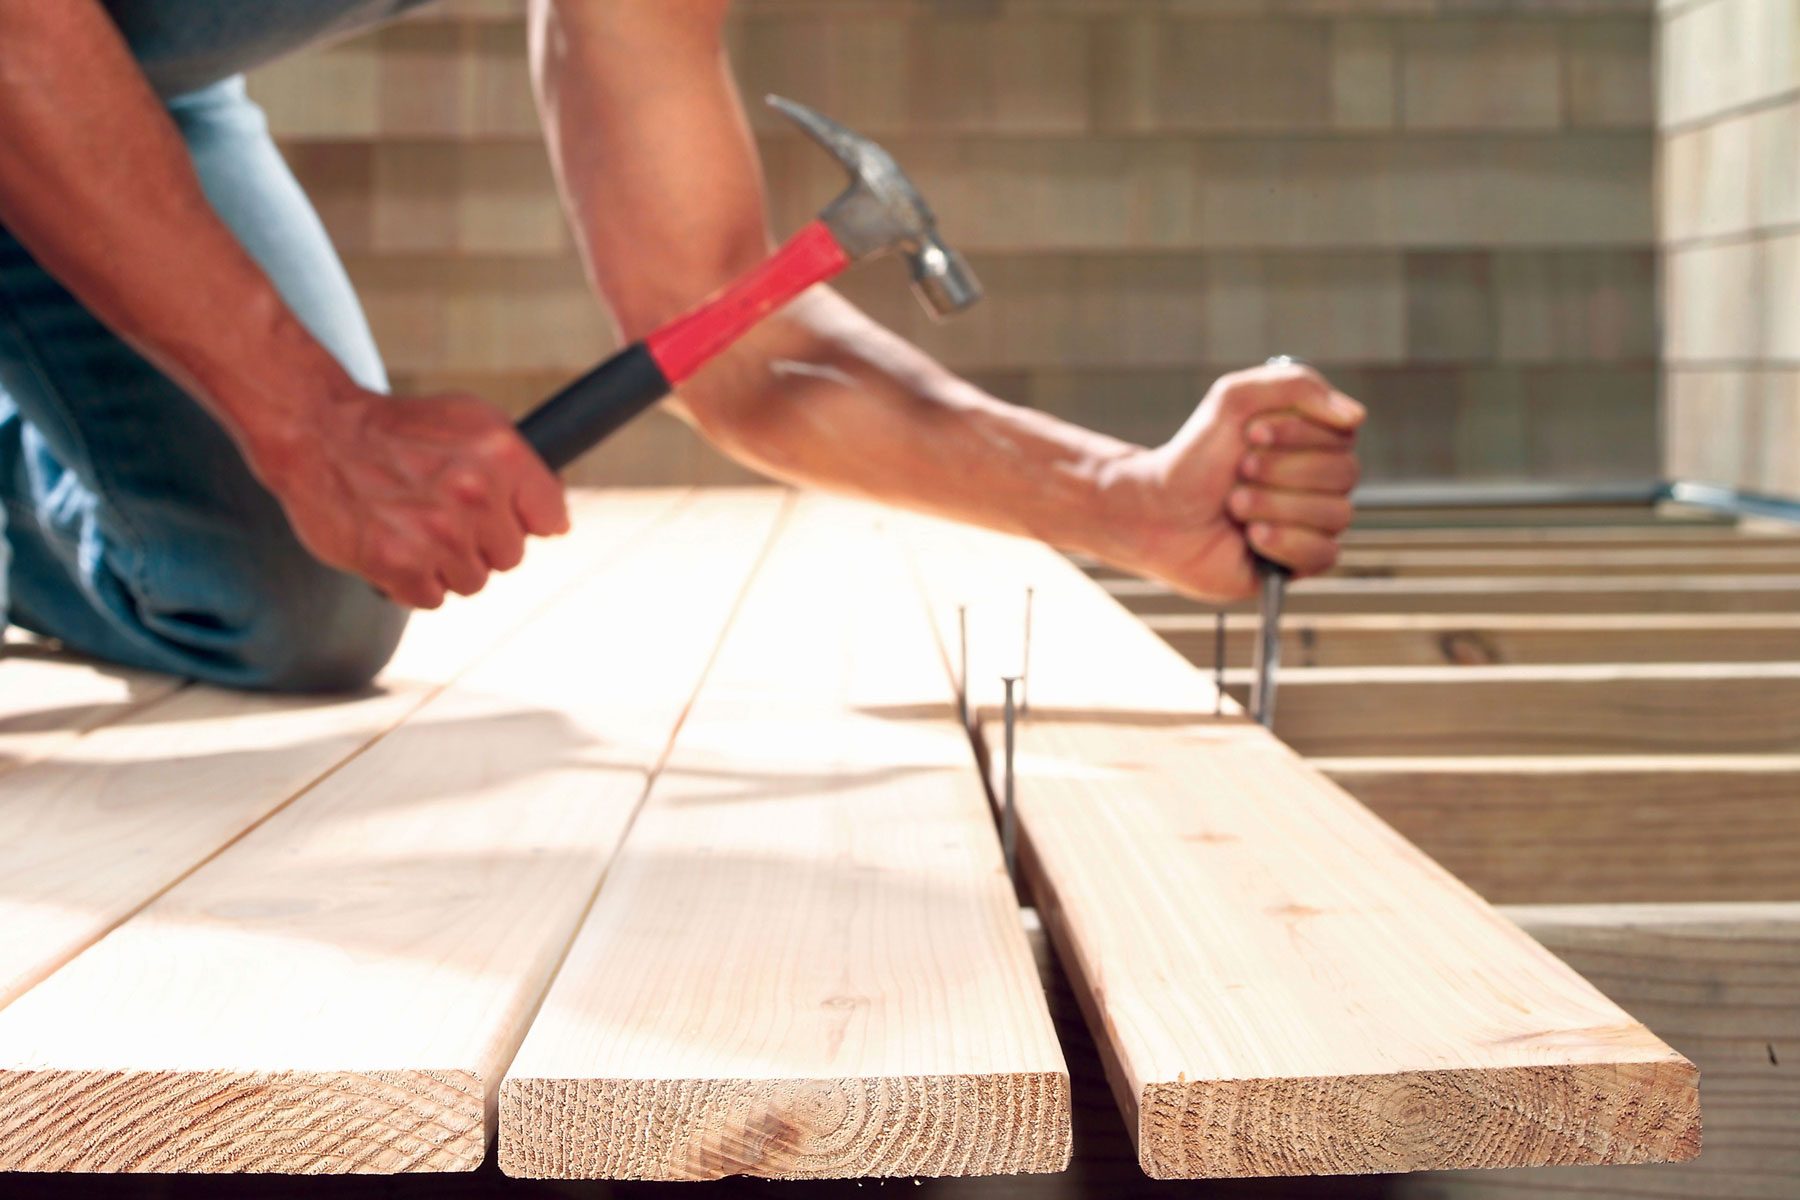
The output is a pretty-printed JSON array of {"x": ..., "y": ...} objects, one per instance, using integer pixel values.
[{"x": 881, "y": 211}]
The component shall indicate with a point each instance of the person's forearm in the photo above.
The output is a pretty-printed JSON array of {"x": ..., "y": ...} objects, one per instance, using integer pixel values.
[
  {"x": 96, "y": 183},
  {"x": 823, "y": 396}
]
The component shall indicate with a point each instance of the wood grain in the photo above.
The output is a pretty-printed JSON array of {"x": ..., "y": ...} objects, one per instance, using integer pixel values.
[
  {"x": 1594, "y": 708},
  {"x": 48, "y": 698},
  {"x": 807, "y": 959},
  {"x": 1286, "y": 986},
  {"x": 1515, "y": 594},
  {"x": 340, "y": 990},
  {"x": 1493, "y": 639},
  {"x": 1572, "y": 829},
  {"x": 92, "y": 833},
  {"x": 1719, "y": 982}
]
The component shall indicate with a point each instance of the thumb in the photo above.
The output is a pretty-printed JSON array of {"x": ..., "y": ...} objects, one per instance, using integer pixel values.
[{"x": 1287, "y": 387}]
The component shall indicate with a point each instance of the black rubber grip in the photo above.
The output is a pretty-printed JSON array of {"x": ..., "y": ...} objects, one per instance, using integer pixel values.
[{"x": 595, "y": 407}]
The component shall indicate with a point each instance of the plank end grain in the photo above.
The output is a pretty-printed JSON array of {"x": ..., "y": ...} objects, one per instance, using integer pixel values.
[
  {"x": 1409, "y": 1121},
  {"x": 705, "y": 1129},
  {"x": 242, "y": 1122}
]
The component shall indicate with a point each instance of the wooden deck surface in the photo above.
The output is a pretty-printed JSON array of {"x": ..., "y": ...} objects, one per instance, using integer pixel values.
[{"x": 280, "y": 934}]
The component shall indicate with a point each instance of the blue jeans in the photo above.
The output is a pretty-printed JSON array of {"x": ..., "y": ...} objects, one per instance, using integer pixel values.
[{"x": 137, "y": 532}]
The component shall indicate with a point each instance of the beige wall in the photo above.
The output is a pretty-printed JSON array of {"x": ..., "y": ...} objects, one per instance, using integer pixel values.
[
  {"x": 1729, "y": 167},
  {"x": 1446, "y": 203}
]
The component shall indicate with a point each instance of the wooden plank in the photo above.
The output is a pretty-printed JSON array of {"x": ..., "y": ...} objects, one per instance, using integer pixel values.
[
  {"x": 1643, "y": 708},
  {"x": 1516, "y": 594},
  {"x": 49, "y": 697},
  {"x": 1489, "y": 639},
  {"x": 1572, "y": 829},
  {"x": 1719, "y": 981},
  {"x": 1357, "y": 563},
  {"x": 341, "y": 990},
  {"x": 1286, "y": 986},
  {"x": 91, "y": 834},
  {"x": 807, "y": 960}
]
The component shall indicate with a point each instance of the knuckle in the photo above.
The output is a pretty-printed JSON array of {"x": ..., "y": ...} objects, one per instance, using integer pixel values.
[{"x": 467, "y": 485}]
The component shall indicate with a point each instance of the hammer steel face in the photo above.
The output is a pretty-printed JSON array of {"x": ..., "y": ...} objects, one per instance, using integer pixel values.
[{"x": 881, "y": 211}]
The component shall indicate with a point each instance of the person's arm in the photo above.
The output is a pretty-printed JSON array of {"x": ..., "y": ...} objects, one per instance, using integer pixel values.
[
  {"x": 416, "y": 495},
  {"x": 660, "y": 177}
]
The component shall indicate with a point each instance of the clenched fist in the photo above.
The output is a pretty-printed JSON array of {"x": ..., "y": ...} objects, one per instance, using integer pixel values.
[
  {"x": 1266, "y": 464},
  {"x": 420, "y": 496}
]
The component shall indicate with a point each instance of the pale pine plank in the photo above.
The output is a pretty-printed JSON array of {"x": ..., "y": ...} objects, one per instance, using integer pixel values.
[
  {"x": 807, "y": 960},
  {"x": 340, "y": 991},
  {"x": 1283, "y": 985},
  {"x": 91, "y": 834},
  {"x": 1578, "y": 829},
  {"x": 49, "y": 698}
]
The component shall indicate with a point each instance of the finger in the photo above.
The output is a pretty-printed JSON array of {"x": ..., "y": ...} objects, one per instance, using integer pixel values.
[
  {"x": 501, "y": 540},
  {"x": 1292, "y": 387},
  {"x": 465, "y": 574},
  {"x": 539, "y": 501},
  {"x": 1332, "y": 471},
  {"x": 415, "y": 590},
  {"x": 1327, "y": 514},
  {"x": 1291, "y": 431},
  {"x": 1305, "y": 551},
  {"x": 1331, "y": 408}
]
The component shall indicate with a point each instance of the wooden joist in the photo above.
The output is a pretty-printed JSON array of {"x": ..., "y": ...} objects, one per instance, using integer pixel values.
[
  {"x": 1492, "y": 639},
  {"x": 1593, "y": 708},
  {"x": 1644, "y": 537},
  {"x": 1281, "y": 984},
  {"x": 1720, "y": 982},
  {"x": 1739, "y": 559},
  {"x": 1570, "y": 829},
  {"x": 339, "y": 990},
  {"x": 1511, "y": 594},
  {"x": 807, "y": 960}
]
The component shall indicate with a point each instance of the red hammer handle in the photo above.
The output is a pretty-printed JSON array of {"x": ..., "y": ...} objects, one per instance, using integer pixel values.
[
  {"x": 686, "y": 344},
  {"x": 597, "y": 405}
]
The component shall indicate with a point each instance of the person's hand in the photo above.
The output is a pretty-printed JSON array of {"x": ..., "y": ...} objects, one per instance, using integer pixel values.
[
  {"x": 420, "y": 496},
  {"x": 1266, "y": 464}
]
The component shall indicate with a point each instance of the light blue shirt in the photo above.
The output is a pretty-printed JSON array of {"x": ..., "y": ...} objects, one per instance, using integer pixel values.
[{"x": 187, "y": 44}]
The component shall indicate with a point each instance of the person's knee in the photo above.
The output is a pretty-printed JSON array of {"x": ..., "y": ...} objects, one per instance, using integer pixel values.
[{"x": 333, "y": 633}]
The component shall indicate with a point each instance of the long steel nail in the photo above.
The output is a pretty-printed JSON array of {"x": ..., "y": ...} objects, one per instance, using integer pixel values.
[
  {"x": 962, "y": 670},
  {"x": 1009, "y": 817}
]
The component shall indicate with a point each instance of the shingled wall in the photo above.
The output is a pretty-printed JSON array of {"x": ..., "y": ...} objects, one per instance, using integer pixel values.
[{"x": 1729, "y": 167}]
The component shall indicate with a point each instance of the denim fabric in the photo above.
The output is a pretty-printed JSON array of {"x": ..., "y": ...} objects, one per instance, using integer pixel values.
[{"x": 137, "y": 532}]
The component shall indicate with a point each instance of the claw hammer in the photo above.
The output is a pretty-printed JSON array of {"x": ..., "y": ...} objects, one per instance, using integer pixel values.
[{"x": 879, "y": 213}]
